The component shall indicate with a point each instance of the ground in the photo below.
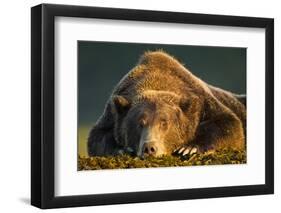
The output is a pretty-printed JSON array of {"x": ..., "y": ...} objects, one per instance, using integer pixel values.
[{"x": 124, "y": 161}]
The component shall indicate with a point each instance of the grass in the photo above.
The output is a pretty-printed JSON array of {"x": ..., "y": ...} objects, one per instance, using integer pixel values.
[
  {"x": 225, "y": 156},
  {"x": 83, "y": 132},
  {"x": 124, "y": 161}
]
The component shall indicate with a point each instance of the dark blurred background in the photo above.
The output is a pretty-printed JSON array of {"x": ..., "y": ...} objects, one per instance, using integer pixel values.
[{"x": 101, "y": 65}]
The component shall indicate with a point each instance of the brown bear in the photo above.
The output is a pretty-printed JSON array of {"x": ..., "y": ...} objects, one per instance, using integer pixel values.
[{"x": 161, "y": 108}]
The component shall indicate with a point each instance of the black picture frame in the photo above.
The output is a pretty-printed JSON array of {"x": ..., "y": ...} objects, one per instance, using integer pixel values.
[{"x": 43, "y": 111}]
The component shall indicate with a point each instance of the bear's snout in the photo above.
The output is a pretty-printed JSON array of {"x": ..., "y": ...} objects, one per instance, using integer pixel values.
[{"x": 150, "y": 149}]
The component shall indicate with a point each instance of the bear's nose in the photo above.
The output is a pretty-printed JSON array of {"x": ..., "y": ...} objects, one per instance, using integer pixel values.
[{"x": 149, "y": 148}]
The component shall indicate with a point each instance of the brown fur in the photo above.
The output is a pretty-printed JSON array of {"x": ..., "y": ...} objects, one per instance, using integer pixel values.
[{"x": 166, "y": 100}]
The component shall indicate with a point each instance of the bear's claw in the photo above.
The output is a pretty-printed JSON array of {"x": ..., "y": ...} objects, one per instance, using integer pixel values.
[{"x": 187, "y": 150}]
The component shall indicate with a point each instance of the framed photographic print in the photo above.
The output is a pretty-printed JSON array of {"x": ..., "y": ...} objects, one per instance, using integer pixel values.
[{"x": 139, "y": 106}]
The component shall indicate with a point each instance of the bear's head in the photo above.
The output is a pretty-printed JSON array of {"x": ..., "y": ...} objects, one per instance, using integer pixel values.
[{"x": 155, "y": 123}]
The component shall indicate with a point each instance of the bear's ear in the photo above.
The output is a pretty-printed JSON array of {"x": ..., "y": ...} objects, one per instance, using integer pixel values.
[
  {"x": 185, "y": 104},
  {"x": 121, "y": 103},
  {"x": 189, "y": 104}
]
